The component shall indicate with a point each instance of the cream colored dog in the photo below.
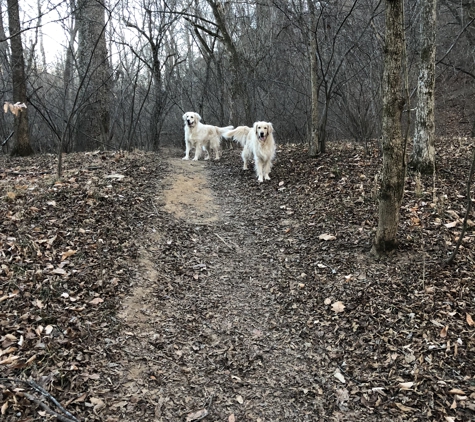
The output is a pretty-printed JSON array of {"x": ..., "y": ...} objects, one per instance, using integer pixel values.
[
  {"x": 258, "y": 142},
  {"x": 202, "y": 137}
]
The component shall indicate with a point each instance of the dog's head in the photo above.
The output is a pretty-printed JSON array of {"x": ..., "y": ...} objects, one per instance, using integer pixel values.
[
  {"x": 191, "y": 118},
  {"x": 263, "y": 130}
]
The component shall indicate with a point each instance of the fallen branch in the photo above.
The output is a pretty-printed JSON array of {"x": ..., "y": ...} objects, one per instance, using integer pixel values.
[
  {"x": 33, "y": 385},
  {"x": 46, "y": 408}
]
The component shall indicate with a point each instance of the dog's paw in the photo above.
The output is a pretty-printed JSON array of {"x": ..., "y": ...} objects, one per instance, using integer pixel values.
[
  {"x": 185, "y": 158},
  {"x": 267, "y": 178}
]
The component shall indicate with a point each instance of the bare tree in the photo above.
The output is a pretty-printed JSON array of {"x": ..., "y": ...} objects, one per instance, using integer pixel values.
[
  {"x": 154, "y": 28},
  {"x": 22, "y": 146},
  {"x": 394, "y": 166},
  {"x": 423, "y": 153}
]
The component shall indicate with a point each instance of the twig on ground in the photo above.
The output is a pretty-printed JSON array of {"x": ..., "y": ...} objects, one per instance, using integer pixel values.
[
  {"x": 222, "y": 240},
  {"x": 46, "y": 408},
  {"x": 33, "y": 385}
]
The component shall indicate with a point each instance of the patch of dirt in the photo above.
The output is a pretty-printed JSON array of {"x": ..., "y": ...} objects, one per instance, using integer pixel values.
[
  {"x": 189, "y": 195},
  {"x": 194, "y": 290}
]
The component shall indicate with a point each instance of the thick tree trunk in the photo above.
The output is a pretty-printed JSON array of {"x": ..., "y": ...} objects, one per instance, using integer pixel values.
[
  {"x": 394, "y": 170},
  {"x": 92, "y": 127},
  {"x": 22, "y": 145},
  {"x": 423, "y": 153},
  {"x": 239, "y": 69}
]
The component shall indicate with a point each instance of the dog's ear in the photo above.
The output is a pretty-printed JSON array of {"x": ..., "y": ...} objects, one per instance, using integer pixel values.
[
  {"x": 184, "y": 117},
  {"x": 271, "y": 128},
  {"x": 198, "y": 117},
  {"x": 255, "y": 127}
]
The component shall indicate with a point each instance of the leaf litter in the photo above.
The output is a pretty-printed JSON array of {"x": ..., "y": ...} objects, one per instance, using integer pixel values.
[{"x": 200, "y": 286}]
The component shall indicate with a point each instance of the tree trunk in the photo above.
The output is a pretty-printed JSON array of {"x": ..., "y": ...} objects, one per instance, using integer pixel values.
[
  {"x": 239, "y": 69},
  {"x": 92, "y": 126},
  {"x": 68, "y": 80},
  {"x": 314, "y": 144},
  {"x": 423, "y": 153},
  {"x": 394, "y": 170},
  {"x": 22, "y": 145}
]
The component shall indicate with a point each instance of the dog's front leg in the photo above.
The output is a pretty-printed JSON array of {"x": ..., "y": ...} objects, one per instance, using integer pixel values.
[
  {"x": 187, "y": 152},
  {"x": 197, "y": 153}
]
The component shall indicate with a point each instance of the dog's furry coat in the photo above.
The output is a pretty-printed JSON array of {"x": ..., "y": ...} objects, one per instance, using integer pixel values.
[
  {"x": 202, "y": 137},
  {"x": 258, "y": 142}
]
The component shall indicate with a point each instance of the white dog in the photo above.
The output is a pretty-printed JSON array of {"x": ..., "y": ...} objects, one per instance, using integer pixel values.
[
  {"x": 258, "y": 142},
  {"x": 200, "y": 136}
]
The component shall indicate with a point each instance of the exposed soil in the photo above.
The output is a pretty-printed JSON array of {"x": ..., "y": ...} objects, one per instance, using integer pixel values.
[{"x": 170, "y": 290}]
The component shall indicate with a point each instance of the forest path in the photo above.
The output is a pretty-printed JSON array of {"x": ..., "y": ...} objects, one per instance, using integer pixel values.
[{"x": 210, "y": 338}]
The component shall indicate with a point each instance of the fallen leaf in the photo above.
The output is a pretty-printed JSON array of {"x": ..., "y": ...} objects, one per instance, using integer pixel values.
[
  {"x": 405, "y": 385},
  {"x": 239, "y": 399},
  {"x": 96, "y": 301},
  {"x": 327, "y": 301},
  {"x": 457, "y": 391},
  {"x": 443, "y": 332},
  {"x": 470, "y": 320},
  {"x": 196, "y": 416},
  {"x": 231, "y": 418},
  {"x": 67, "y": 254},
  {"x": 98, "y": 403},
  {"x": 405, "y": 408},
  {"x": 342, "y": 395},
  {"x": 38, "y": 303},
  {"x": 326, "y": 236},
  {"x": 339, "y": 377},
  {"x": 59, "y": 271},
  {"x": 9, "y": 360},
  {"x": 450, "y": 225},
  {"x": 338, "y": 307},
  {"x": 4, "y": 408}
]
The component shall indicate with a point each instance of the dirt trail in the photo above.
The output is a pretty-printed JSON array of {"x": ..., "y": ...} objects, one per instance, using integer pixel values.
[{"x": 213, "y": 340}]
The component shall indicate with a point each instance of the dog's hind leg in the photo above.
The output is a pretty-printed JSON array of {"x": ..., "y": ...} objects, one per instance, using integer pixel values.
[
  {"x": 245, "y": 156},
  {"x": 206, "y": 151}
]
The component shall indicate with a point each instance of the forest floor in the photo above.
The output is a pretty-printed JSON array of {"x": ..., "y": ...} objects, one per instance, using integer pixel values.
[{"x": 140, "y": 287}]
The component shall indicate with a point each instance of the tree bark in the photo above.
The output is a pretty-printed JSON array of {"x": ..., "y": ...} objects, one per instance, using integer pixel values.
[
  {"x": 92, "y": 126},
  {"x": 423, "y": 153},
  {"x": 394, "y": 168},
  {"x": 239, "y": 69},
  {"x": 22, "y": 146},
  {"x": 314, "y": 145}
]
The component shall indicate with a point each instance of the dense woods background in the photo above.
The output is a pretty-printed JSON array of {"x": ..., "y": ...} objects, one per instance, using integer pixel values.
[{"x": 126, "y": 71}]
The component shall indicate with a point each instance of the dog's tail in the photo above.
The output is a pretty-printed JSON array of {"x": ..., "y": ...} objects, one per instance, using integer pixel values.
[
  {"x": 223, "y": 130},
  {"x": 239, "y": 134}
]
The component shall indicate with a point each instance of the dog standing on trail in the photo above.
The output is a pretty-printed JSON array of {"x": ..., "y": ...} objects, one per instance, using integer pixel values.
[
  {"x": 258, "y": 142},
  {"x": 202, "y": 137}
]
